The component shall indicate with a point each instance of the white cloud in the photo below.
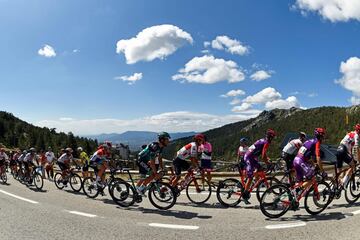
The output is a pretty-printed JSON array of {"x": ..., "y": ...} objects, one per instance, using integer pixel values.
[
  {"x": 266, "y": 95},
  {"x": 66, "y": 119},
  {"x": 283, "y": 103},
  {"x": 333, "y": 10},
  {"x": 232, "y": 46},
  {"x": 75, "y": 50},
  {"x": 243, "y": 107},
  {"x": 351, "y": 75},
  {"x": 170, "y": 121},
  {"x": 154, "y": 42},
  {"x": 260, "y": 75},
  {"x": 208, "y": 70},
  {"x": 312, "y": 95},
  {"x": 354, "y": 100},
  {"x": 235, "y": 101},
  {"x": 233, "y": 93},
  {"x": 206, "y": 44},
  {"x": 47, "y": 51},
  {"x": 130, "y": 79}
]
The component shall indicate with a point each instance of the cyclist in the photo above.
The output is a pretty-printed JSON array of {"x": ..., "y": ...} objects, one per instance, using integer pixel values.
[
  {"x": 99, "y": 159},
  {"x": 28, "y": 161},
  {"x": 190, "y": 151},
  {"x": 84, "y": 158},
  {"x": 13, "y": 161},
  {"x": 302, "y": 164},
  {"x": 146, "y": 161},
  {"x": 345, "y": 153},
  {"x": 290, "y": 151},
  {"x": 50, "y": 158},
  {"x": 3, "y": 158},
  {"x": 241, "y": 152},
  {"x": 64, "y": 163},
  {"x": 259, "y": 148},
  {"x": 206, "y": 163}
]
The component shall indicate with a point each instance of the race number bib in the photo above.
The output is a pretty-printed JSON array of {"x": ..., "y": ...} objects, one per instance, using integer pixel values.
[{"x": 302, "y": 150}]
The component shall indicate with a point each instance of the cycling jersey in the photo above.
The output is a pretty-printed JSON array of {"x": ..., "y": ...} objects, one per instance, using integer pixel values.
[
  {"x": 50, "y": 156},
  {"x": 311, "y": 148},
  {"x": 260, "y": 147},
  {"x": 350, "y": 140},
  {"x": 29, "y": 158},
  {"x": 190, "y": 150},
  {"x": 3, "y": 156},
  {"x": 242, "y": 150},
  {"x": 21, "y": 157},
  {"x": 99, "y": 156},
  {"x": 293, "y": 146},
  {"x": 65, "y": 158},
  {"x": 152, "y": 151},
  {"x": 206, "y": 151}
]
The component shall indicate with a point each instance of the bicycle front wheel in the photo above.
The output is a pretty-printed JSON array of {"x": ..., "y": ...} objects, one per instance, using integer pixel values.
[
  {"x": 162, "y": 195},
  {"x": 122, "y": 193},
  {"x": 76, "y": 182},
  {"x": 265, "y": 184},
  {"x": 352, "y": 190},
  {"x": 38, "y": 181},
  {"x": 4, "y": 178},
  {"x": 59, "y": 181},
  {"x": 276, "y": 201},
  {"x": 229, "y": 192},
  {"x": 198, "y": 190},
  {"x": 90, "y": 188},
  {"x": 317, "y": 199}
]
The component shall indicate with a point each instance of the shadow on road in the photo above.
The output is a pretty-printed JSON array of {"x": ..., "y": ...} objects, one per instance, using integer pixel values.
[
  {"x": 312, "y": 218},
  {"x": 169, "y": 213},
  {"x": 203, "y": 205}
]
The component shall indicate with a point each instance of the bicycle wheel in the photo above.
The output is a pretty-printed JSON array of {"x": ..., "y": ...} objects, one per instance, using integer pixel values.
[
  {"x": 276, "y": 201},
  {"x": 122, "y": 193},
  {"x": 316, "y": 200},
  {"x": 38, "y": 181},
  {"x": 4, "y": 178},
  {"x": 229, "y": 192},
  {"x": 58, "y": 180},
  {"x": 75, "y": 182},
  {"x": 198, "y": 190},
  {"x": 162, "y": 195},
  {"x": 264, "y": 185},
  {"x": 90, "y": 188},
  {"x": 352, "y": 190}
]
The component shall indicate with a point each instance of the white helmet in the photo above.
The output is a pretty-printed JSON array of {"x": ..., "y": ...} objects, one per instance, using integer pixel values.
[{"x": 80, "y": 149}]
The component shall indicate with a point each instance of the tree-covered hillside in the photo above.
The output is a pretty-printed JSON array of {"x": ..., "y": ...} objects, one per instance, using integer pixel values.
[{"x": 225, "y": 140}]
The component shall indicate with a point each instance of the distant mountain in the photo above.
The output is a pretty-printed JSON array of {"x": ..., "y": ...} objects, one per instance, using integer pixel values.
[{"x": 135, "y": 139}]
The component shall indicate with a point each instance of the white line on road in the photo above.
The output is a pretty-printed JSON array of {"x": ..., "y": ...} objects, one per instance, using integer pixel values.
[
  {"x": 286, "y": 225},
  {"x": 18, "y": 197},
  {"x": 82, "y": 214},
  {"x": 173, "y": 226},
  {"x": 356, "y": 212}
]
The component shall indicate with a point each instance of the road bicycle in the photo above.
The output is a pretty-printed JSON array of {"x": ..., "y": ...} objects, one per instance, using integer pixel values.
[
  {"x": 34, "y": 177},
  {"x": 3, "y": 175},
  {"x": 70, "y": 177}
]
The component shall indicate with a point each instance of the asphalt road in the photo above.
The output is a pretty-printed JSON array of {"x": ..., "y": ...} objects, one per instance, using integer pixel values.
[{"x": 63, "y": 214}]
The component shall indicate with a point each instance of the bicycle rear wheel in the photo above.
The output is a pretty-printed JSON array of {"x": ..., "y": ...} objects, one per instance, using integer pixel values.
[
  {"x": 352, "y": 190},
  {"x": 122, "y": 193},
  {"x": 4, "y": 178},
  {"x": 276, "y": 201},
  {"x": 229, "y": 192},
  {"x": 162, "y": 195},
  {"x": 316, "y": 200},
  {"x": 198, "y": 190},
  {"x": 90, "y": 188},
  {"x": 75, "y": 182},
  {"x": 38, "y": 181},
  {"x": 264, "y": 185},
  {"x": 59, "y": 181}
]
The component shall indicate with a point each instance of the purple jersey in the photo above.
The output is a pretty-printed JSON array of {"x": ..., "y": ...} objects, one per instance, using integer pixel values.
[
  {"x": 256, "y": 149},
  {"x": 308, "y": 149}
]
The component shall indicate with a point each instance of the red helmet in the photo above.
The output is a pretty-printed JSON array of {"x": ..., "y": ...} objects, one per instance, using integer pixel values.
[
  {"x": 319, "y": 132},
  {"x": 357, "y": 127},
  {"x": 270, "y": 133},
  {"x": 199, "y": 136}
]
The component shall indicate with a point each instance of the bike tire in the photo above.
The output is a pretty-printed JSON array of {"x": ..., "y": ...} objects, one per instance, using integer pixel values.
[
  {"x": 76, "y": 183},
  {"x": 122, "y": 193},
  {"x": 38, "y": 181},
  {"x": 352, "y": 190},
  {"x": 226, "y": 190},
  {"x": 193, "y": 195},
  {"x": 4, "y": 178},
  {"x": 271, "y": 181},
  {"x": 158, "y": 191},
  {"x": 89, "y": 188},
  {"x": 282, "y": 200},
  {"x": 311, "y": 196},
  {"x": 58, "y": 180}
]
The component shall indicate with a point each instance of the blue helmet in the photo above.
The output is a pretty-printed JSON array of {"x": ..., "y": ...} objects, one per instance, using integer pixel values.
[{"x": 243, "y": 140}]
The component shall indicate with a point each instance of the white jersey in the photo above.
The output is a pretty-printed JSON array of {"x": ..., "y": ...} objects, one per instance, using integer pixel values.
[
  {"x": 65, "y": 158},
  {"x": 190, "y": 150},
  {"x": 50, "y": 156},
  {"x": 242, "y": 150},
  {"x": 3, "y": 156},
  {"x": 350, "y": 140},
  {"x": 21, "y": 157},
  {"x": 293, "y": 146},
  {"x": 29, "y": 157}
]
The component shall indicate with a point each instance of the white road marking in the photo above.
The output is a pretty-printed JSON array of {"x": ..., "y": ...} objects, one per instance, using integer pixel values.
[
  {"x": 286, "y": 225},
  {"x": 173, "y": 226},
  {"x": 82, "y": 214},
  {"x": 18, "y": 197},
  {"x": 356, "y": 212}
]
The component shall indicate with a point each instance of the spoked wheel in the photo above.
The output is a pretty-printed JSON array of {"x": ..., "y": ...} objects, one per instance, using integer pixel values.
[
  {"x": 352, "y": 191},
  {"x": 122, "y": 193},
  {"x": 59, "y": 181},
  {"x": 75, "y": 182},
  {"x": 162, "y": 195},
  {"x": 90, "y": 188},
  {"x": 38, "y": 181},
  {"x": 4, "y": 177},
  {"x": 229, "y": 192},
  {"x": 264, "y": 185},
  {"x": 317, "y": 199},
  {"x": 276, "y": 201},
  {"x": 198, "y": 190}
]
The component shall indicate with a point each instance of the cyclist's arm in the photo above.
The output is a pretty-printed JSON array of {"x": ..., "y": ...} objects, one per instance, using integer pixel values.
[
  {"x": 317, "y": 154},
  {"x": 160, "y": 161},
  {"x": 152, "y": 166},
  {"x": 264, "y": 156}
]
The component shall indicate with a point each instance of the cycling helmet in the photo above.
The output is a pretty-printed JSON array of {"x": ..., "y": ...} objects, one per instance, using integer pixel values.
[
  {"x": 69, "y": 150},
  {"x": 319, "y": 132},
  {"x": 302, "y": 134},
  {"x": 357, "y": 127},
  {"x": 270, "y": 133},
  {"x": 107, "y": 144},
  {"x": 24, "y": 152},
  {"x": 243, "y": 140},
  {"x": 199, "y": 136},
  {"x": 32, "y": 149},
  {"x": 80, "y": 149},
  {"x": 2, "y": 150},
  {"x": 163, "y": 135}
]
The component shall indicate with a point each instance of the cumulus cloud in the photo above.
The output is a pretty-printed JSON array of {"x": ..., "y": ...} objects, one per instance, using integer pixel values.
[
  {"x": 170, "y": 121},
  {"x": 130, "y": 79},
  {"x": 233, "y": 93},
  {"x": 260, "y": 75},
  {"x": 283, "y": 103},
  {"x": 354, "y": 100},
  {"x": 208, "y": 70},
  {"x": 333, "y": 10},
  {"x": 232, "y": 46},
  {"x": 243, "y": 107},
  {"x": 266, "y": 95},
  {"x": 351, "y": 75},
  {"x": 47, "y": 51},
  {"x": 235, "y": 101},
  {"x": 154, "y": 42}
]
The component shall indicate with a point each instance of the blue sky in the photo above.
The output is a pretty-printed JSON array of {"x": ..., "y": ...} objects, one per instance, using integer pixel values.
[{"x": 77, "y": 86}]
